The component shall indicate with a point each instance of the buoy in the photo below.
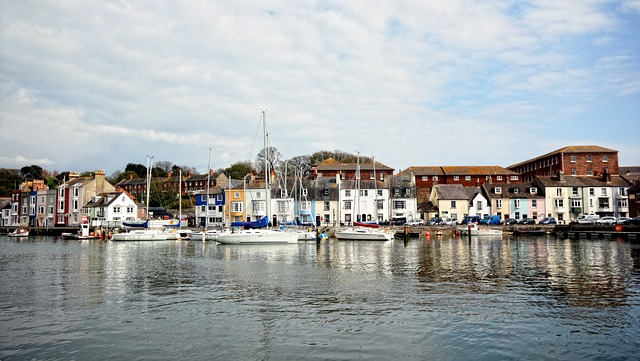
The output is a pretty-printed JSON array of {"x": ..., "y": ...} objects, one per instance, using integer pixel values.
[{"x": 427, "y": 233}]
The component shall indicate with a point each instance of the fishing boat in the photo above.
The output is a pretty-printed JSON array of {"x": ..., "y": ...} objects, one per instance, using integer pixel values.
[
  {"x": 259, "y": 235},
  {"x": 475, "y": 231},
  {"x": 19, "y": 232}
]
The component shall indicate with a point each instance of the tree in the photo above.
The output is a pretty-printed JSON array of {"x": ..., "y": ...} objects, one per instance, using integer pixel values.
[
  {"x": 165, "y": 166},
  {"x": 10, "y": 179},
  {"x": 273, "y": 156},
  {"x": 31, "y": 172},
  {"x": 238, "y": 170},
  {"x": 139, "y": 169}
]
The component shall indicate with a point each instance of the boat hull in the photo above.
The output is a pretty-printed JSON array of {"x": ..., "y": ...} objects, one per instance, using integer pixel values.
[
  {"x": 258, "y": 236},
  {"x": 363, "y": 235},
  {"x": 144, "y": 235}
]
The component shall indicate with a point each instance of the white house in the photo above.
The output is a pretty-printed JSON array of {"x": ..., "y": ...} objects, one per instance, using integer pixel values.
[{"x": 109, "y": 209}]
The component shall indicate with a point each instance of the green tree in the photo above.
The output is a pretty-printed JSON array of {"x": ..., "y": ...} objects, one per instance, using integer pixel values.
[
  {"x": 10, "y": 179},
  {"x": 238, "y": 170},
  {"x": 31, "y": 172}
]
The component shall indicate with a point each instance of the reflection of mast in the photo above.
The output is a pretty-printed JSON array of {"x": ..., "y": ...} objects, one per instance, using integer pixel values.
[
  {"x": 206, "y": 221},
  {"x": 266, "y": 166}
]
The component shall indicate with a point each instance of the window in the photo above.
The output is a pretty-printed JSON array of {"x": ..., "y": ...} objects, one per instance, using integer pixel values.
[
  {"x": 559, "y": 203},
  {"x": 407, "y": 191},
  {"x": 623, "y": 203},
  {"x": 622, "y": 192},
  {"x": 347, "y": 205},
  {"x": 498, "y": 190},
  {"x": 516, "y": 190},
  {"x": 573, "y": 171},
  {"x": 517, "y": 215},
  {"x": 498, "y": 203},
  {"x": 589, "y": 171},
  {"x": 372, "y": 175},
  {"x": 516, "y": 203},
  {"x": 347, "y": 193},
  {"x": 236, "y": 206},
  {"x": 116, "y": 209},
  {"x": 573, "y": 159},
  {"x": 592, "y": 191},
  {"x": 380, "y": 192},
  {"x": 236, "y": 194},
  {"x": 588, "y": 158},
  {"x": 533, "y": 190},
  {"x": 603, "y": 202},
  {"x": 456, "y": 178},
  {"x": 425, "y": 178},
  {"x": 514, "y": 177},
  {"x": 603, "y": 191},
  {"x": 327, "y": 206},
  {"x": 304, "y": 192},
  {"x": 478, "y": 205},
  {"x": 399, "y": 204},
  {"x": 576, "y": 203},
  {"x": 499, "y": 177},
  {"x": 364, "y": 192},
  {"x": 574, "y": 191},
  {"x": 559, "y": 192},
  {"x": 380, "y": 204},
  {"x": 326, "y": 192},
  {"x": 467, "y": 178},
  {"x": 534, "y": 203},
  {"x": 434, "y": 178},
  {"x": 453, "y": 204}
]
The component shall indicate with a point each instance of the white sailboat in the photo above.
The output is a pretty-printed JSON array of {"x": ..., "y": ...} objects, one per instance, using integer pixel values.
[
  {"x": 148, "y": 233},
  {"x": 207, "y": 234},
  {"x": 362, "y": 233},
  {"x": 260, "y": 235}
]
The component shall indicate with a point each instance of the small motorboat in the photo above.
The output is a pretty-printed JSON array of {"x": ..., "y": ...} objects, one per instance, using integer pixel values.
[
  {"x": 19, "y": 232},
  {"x": 475, "y": 231}
]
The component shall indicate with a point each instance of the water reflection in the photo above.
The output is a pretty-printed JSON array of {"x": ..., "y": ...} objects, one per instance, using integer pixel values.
[{"x": 412, "y": 298}]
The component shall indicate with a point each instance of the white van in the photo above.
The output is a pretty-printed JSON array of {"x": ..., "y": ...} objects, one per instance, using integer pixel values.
[{"x": 588, "y": 219}]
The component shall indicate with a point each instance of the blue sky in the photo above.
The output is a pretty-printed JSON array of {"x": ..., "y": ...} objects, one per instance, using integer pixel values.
[{"x": 98, "y": 84}]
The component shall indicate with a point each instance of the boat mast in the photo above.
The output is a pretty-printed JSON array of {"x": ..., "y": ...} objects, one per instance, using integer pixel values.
[
  {"x": 266, "y": 164},
  {"x": 180, "y": 198},
  {"x": 375, "y": 187},
  {"x": 149, "y": 168},
  {"x": 358, "y": 187},
  {"x": 206, "y": 220}
]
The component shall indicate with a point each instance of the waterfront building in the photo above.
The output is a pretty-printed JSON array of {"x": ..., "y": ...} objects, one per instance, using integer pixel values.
[
  {"x": 498, "y": 199},
  {"x": 479, "y": 204},
  {"x": 325, "y": 195},
  {"x": 404, "y": 201},
  {"x": 575, "y": 160},
  {"x": 634, "y": 200},
  {"x": 331, "y": 167},
  {"x": 110, "y": 209},
  {"x": 450, "y": 200},
  {"x": 73, "y": 194},
  {"x": 525, "y": 200}
]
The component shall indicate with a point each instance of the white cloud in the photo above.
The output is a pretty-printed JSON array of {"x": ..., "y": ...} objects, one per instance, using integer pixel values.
[{"x": 122, "y": 80}]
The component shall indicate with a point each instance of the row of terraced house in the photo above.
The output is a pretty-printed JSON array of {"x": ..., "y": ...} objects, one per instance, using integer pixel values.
[{"x": 564, "y": 184}]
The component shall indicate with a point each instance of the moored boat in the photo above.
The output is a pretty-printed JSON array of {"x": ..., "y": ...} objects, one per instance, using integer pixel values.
[
  {"x": 19, "y": 232},
  {"x": 475, "y": 231},
  {"x": 363, "y": 234}
]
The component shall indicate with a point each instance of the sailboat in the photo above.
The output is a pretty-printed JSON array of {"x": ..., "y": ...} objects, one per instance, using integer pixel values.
[
  {"x": 148, "y": 232},
  {"x": 362, "y": 231},
  {"x": 260, "y": 235},
  {"x": 207, "y": 234}
]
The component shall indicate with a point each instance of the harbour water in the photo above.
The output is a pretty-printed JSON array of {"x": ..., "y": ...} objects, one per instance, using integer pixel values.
[{"x": 537, "y": 298}]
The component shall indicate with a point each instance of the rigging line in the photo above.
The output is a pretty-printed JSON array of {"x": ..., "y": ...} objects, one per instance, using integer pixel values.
[{"x": 255, "y": 137}]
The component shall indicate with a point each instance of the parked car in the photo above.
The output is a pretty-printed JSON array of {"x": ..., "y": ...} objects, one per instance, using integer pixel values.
[
  {"x": 470, "y": 219},
  {"x": 527, "y": 221},
  {"x": 634, "y": 220},
  {"x": 621, "y": 220},
  {"x": 492, "y": 220},
  {"x": 414, "y": 222},
  {"x": 607, "y": 220},
  {"x": 509, "y": 221},
  {"x": 435, "y": 221},
  {"x": 547, "y": 220},
  {"x": 588, "y": 219},
  {"x": 449, "y": 221}
]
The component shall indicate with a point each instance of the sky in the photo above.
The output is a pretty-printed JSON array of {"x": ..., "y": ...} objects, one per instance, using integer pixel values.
[{"x": 88, "y": 85}]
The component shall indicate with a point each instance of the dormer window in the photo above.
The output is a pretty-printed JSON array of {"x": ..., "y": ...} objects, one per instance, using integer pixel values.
[
  {"x": 498, "y": 190},
  {"x": 516, "y": 190},
  {"x": 326, "y": 192},
  {"x": 533, "y": 190}
]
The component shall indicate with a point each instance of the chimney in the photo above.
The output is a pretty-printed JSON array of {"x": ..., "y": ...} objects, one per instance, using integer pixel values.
[
  {"x": 560, "y": 176},
  {"x": 98, "y": 176},
  {"x": 606, "y": 176},
  {"x": 169, "y": 174}
]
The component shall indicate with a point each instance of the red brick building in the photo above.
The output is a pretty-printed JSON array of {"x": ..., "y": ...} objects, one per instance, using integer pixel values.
[
  {"x": 575, "y": 160},
  {"x": 331, "y": 167}
]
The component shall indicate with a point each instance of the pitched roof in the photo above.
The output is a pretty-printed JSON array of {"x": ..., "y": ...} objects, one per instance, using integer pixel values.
[
  {"x": 477, "y": 170},
  {"x": 450, "y": 191},
  {"x": 421, "y": 170},
  {"x": 332, "y": 164},
  {"x": 570, "y": 149}
]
